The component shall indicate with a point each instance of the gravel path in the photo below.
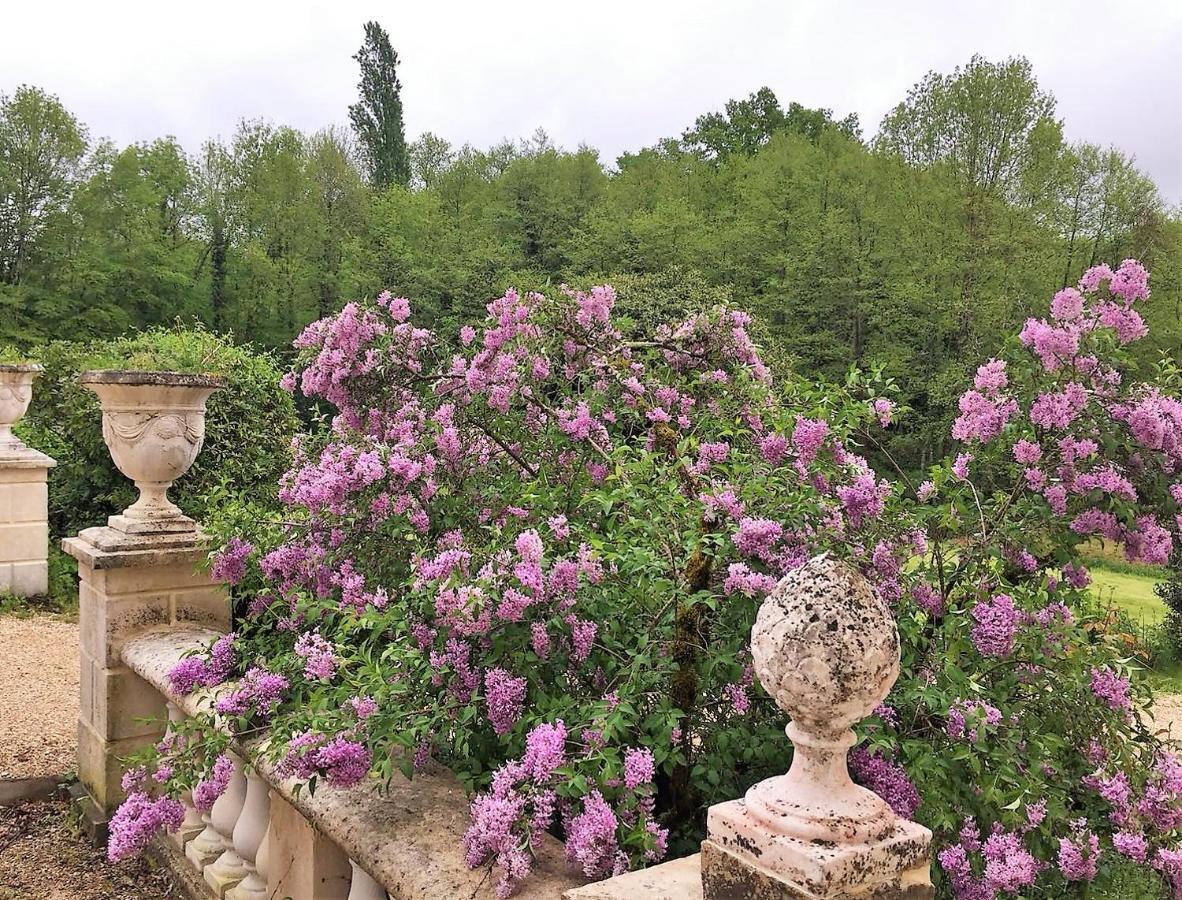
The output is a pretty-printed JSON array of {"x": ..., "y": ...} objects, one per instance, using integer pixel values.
[
  {"x": 38, "y": 696},
  {"x": 1167, "y": 716},
  {"x": 43, "y": 857}
]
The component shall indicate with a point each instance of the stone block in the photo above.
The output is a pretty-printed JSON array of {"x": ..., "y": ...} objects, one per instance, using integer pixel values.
[
  {"x": 24, "y": 579},
  {"x": 34, "y": 467},
  {"x": 150, "y": 579},
  {"x": 207, "y": 607},
  {"x": 99, "y": 769},
  {"x": 224, "y": 872},
  {"x": 24, "y": 541},
  {"x": 24, "y": 501},
  {"x": 125, "y": 706},
  {"x": 106, "y": 622},
  {"x": 678, "y": 879},
  {"x": 304, "y": 865},
  {"x": 206, "y": 847},
  {"x": 86, "y": 686},
  {"x": 728, "y": 876}
]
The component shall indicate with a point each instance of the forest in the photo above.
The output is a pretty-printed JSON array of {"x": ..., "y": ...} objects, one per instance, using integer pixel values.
[{"x": 911, "y": 250}]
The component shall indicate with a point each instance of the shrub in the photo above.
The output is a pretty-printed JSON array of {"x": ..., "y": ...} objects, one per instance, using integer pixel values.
[
  {"x": 537, "y": 556},
  {"x": 249, "y": 424},
  {"x": 1170, "y": 592}
]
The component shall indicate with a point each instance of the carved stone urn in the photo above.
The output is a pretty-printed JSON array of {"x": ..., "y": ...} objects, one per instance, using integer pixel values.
[
  {"x": 16, "y": 390},
  {"x": 154, "y": 426},
  {"x": 825, "y": 647}
]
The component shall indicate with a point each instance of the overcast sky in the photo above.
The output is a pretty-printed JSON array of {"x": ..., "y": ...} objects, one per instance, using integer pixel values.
[{"x": 615, "y": 75}]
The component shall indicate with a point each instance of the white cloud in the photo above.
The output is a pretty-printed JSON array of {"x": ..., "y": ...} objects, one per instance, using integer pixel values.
[{"x": 617, "y": 75}]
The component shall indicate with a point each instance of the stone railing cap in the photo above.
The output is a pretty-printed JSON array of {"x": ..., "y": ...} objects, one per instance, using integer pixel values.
[
  {"x": 169, "y": 379},
  {"x": 22, "y": 367}
]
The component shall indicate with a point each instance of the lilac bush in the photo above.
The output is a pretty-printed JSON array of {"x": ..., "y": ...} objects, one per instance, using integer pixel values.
[{"x": 536, "y": 557}]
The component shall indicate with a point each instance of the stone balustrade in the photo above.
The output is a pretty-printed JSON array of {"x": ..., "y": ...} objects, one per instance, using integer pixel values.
[{"x": 824, "y": 646}]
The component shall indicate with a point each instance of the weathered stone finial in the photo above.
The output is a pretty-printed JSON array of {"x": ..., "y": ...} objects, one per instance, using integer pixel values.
[{"x": 826, "y": 649}]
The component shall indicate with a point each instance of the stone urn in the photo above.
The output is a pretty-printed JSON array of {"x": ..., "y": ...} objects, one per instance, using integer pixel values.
[
  {"x": 16, "y": 390},
  {"x": 154, "y": 426}
]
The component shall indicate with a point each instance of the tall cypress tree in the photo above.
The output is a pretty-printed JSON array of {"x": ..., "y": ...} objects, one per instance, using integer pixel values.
[{"x": 377, "y": 117}]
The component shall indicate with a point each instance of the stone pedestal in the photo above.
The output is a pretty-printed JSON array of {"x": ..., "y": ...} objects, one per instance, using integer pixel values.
[
  {"x": 24, "y": 528},
  {"x": 129, "y": 584},
  {"x": 733, "y": 875}
]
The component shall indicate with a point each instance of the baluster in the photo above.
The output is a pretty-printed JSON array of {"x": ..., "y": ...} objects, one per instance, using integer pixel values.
[
  {"x": 228, "y": 869},
  {"x": 248, "y": 838},
  {"x": 363, "y": 887},
  {"x": 193, "y": 823},
  {"x": 204, "y": 849},
  {"x": 262, "y": 859}
]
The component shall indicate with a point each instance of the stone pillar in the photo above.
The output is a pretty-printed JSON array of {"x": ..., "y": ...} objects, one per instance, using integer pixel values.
[
  {"x": 127, "y": 585},
  {"x": 138, "y": 571},
  {"x": 303, "y": 864},
  {"x": 24, "y": 529},
  {"x": 207, "y": 846},
  {"x": 826, "y": 648}
]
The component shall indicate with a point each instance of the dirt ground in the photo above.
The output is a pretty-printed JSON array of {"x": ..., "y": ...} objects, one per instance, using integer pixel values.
[
  {"x": 38, "y": 696},
  {"x": 43, "y": 856}
]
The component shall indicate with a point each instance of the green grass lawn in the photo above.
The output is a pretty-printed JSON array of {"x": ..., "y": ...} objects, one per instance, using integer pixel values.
[{"x": 1131, "y": 591}]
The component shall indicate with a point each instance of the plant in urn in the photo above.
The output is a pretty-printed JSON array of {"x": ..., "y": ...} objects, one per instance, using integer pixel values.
[
  {"x": 825, "y": 647},
  {"x": 154, "y": 426}
]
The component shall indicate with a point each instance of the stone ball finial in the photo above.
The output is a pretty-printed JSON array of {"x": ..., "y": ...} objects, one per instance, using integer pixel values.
[{"x": 825, "y": 646}]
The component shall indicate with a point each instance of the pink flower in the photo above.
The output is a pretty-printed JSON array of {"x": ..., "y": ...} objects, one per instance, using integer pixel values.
[
  {"x": 996, "y": 625},
  {"x": 591, "y": 838},
  {"x": 638, "y": 767},
  {"x": 1079, "y": 854},
  {"x": 504, "y": 697},
  {"x": 1027, "y": 452},
  {"x": 960, "y": 468},
  {"x": 1113, "y": 689},
  {"x": 1068, "y": 305}
]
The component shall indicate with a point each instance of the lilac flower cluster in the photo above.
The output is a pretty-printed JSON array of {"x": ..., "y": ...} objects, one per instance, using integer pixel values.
[
  {"x": 137, "y": 819},
  {"x": 259, "y": 690},
  {"x": 193, "y": 672},
  {"x": 229, "y": 563},
  {"x": 967, "y": 719},
  {"x": 887, "y": 778},
  {"x": 342, "y": 761},
  {"x": 996, "y": 625},
  {"x": 209, "y": 789},
  {"x": 320, "y": 658},
  {"x": 1008, "y": 865}
]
